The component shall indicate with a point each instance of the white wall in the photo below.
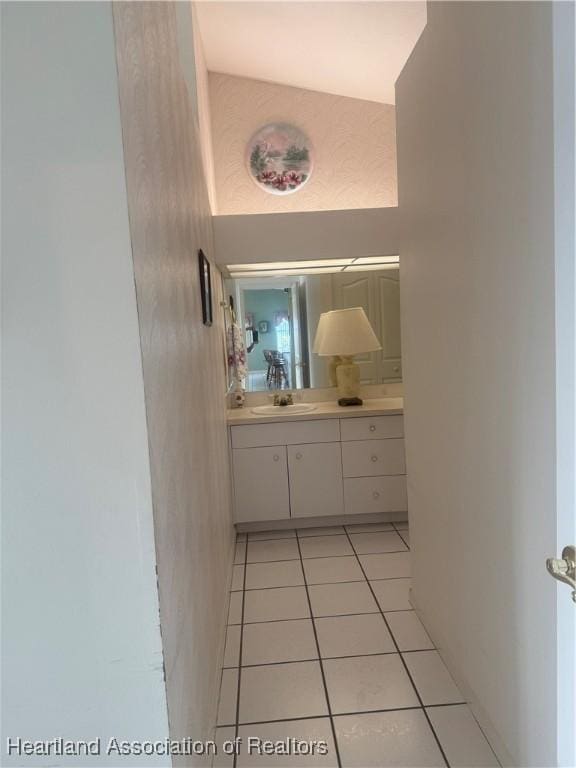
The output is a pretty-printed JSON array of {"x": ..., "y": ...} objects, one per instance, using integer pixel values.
[
  {"x": 81, "y": 650},
  {"x": 353, "y": 146},
  {"x": 183, "y": 360},
  {"x": 203, "y": 107},
  {"x": 476, "y": 199},
  {"x": 564, "y": 243},
  {"x": 307, "y": 235}
]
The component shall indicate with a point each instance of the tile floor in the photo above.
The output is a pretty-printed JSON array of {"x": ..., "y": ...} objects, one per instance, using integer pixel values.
[{"x": 323, "y": 644}]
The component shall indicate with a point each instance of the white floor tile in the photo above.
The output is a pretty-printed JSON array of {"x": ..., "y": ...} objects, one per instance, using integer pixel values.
[
  {"x": 289, "y": 533},
  {"x": 368, "y": 527},
  {"x": 462, "y": 740},
  {"x": 240, "y": 553},
  {"x": 339, "y": 599},
  {"x": 235, "y": 608},
  {"x": 287, "y": 573},
  {"x": 329, "y": 530},
  {"x": 353, "y": 635},
  {"x": 328, "y": 570},
  {"x": 364, "y": 683},
  {"x": 408, "y": 631},
  {"x": 325, "y": 546},
  {"x": 305, "y": 731},
  {"x": 431, "y": 678},
  {"x": 268, "y": 551},
  {"x": 232, "y": 650},
  {"x": 281, "y": 691},
  {"x": 387, "y": 740},
  {"x": 237, "y": 578},
  {"x": 278, "y": 641},
  {"x": 228, "y": 694},
  {"x": 392, "y": 594},
  {"x": 276, "y": 604},
  {"x": 367, "y": 543},
  {"x": 393, "y": 565},
  {"x": 222, "y": 760}
]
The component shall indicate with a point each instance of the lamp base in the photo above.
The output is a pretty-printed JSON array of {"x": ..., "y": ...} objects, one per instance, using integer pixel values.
[
  {"x": 344, "y": 401},
  {"x": 348, "y": 378}
]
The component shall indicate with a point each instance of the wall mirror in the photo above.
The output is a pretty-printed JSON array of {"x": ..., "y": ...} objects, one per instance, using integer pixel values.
[{"x": 278, "y": 307}]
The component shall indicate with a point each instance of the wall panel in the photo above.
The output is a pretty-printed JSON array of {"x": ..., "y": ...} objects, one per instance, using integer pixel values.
[
  {"x": 354, "y": 145},
  {"x": 183, "y": 360}
]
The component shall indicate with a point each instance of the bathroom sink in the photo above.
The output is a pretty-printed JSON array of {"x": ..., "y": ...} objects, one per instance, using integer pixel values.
[{"x": 272, "y": 410}]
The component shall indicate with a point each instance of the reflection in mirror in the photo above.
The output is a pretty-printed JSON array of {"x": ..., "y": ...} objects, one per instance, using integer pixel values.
[{"x": 280, "y": 315}]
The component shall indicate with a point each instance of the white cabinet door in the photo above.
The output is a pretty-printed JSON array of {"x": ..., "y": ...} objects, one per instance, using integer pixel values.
[
  {"x": 260, "y": 484},
  {"x": 315, "y": 479}
]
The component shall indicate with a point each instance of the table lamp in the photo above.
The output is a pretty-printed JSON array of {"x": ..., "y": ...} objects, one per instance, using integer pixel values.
[{"x": 341, "y": 334}]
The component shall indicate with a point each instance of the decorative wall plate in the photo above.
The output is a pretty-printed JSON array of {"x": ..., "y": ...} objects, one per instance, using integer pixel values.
[{"x": 279, "y": 158}]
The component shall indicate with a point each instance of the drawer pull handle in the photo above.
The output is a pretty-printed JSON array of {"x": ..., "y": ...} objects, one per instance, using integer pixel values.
[
  {"x": 375, "y": 495},
  {"x": 298, "y": 455},
  {"x": 372, "y": 428},
  {"x": 374, "y": 458},
  {"x": 276, "y": 457}
]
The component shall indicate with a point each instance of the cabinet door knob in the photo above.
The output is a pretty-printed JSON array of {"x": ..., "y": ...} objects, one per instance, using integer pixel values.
[
  {"x": 375, "y": 495},
  {"x": 276, "y": 457},
  {"x": 298, "y": 455},
  {"x": 372, "y": 428},
  {"x": 374, "y": 458}
]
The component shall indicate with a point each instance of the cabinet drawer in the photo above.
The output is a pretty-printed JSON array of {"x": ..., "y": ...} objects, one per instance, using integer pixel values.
[
  {"x": 260, "y": 484},
  {"x": 375, "y": 494},
  {"x": 366, "y": 458},
  {"x": 285, "y": 433},
  {"x": 375, "y": 428}
]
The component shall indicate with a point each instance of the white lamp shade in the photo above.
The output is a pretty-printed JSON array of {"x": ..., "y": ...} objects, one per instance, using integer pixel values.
[
  {"x": 345, "y": 332},
  {"x": 320, "y": 332}
]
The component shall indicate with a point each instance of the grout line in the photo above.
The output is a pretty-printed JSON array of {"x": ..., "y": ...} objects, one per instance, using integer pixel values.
[
  {"x": 320, "y": 662},
  {"x": 239, "y": 680},
  {"x": 293, "y": 538},
  {"x": 402, "y": 537},
  {"x": 323, "y": 557},
  {"x": 324, "y": 658},
  {"x": 406, "y": 667},
  {"x": 325, "y": 583},
  {"x": 325, "y": 616},
  {"x": 346, "y": 714},
  {"x": 392, "y": 529}
]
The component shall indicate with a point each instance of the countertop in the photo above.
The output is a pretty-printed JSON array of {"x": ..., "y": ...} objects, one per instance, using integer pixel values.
[{"x": 384, "y": 406}]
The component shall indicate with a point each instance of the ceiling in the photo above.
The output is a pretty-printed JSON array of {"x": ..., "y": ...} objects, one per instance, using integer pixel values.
[{"x": 352, "y": 49}]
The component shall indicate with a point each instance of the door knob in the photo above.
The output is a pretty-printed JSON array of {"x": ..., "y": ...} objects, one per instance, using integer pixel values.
[
  {"x": 374, "y": 458},
  {"x": 298, "y": 455},
  {"x": 565, "y": 569},
  {"x": 372, "y": 428},
  {"x": 276, "y": 457}
]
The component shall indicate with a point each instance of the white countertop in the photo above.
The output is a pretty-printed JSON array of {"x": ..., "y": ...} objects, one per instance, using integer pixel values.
[{"x": 383, "y": 406}]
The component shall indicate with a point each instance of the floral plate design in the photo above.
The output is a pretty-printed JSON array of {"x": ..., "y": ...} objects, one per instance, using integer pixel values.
[{"x": 279, "y": 158}]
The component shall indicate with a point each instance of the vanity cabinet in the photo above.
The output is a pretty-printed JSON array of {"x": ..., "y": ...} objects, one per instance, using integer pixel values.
[
  {"x": 318, "y": 468},
  {"x": 315, "y": 473}
]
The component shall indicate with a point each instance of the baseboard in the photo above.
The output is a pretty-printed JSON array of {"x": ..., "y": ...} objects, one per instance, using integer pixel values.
[
  {"x": 325, "y": 520},
  {"x": 482, "y": 718}
]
